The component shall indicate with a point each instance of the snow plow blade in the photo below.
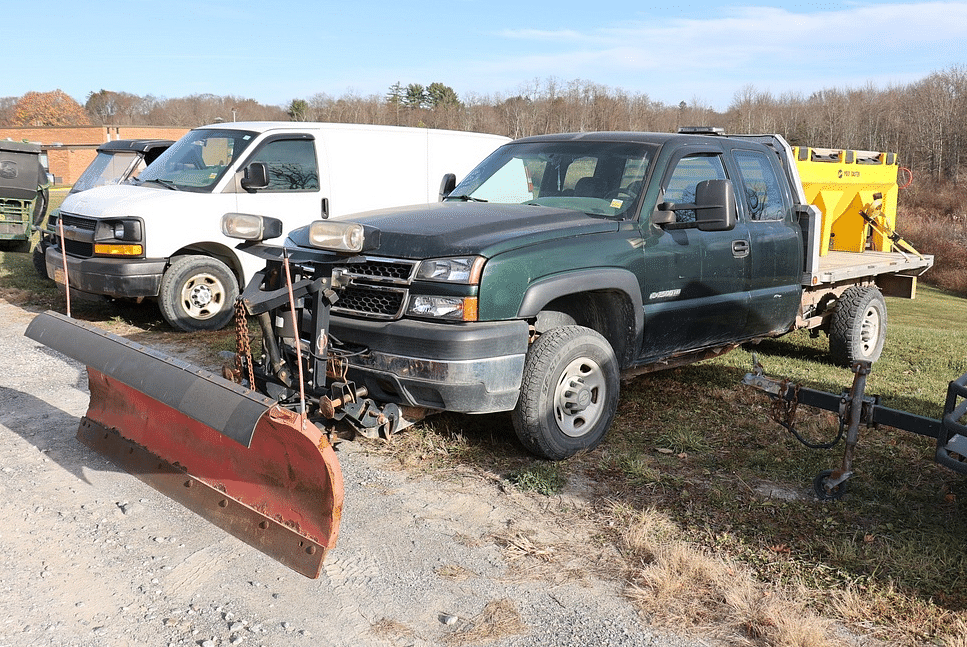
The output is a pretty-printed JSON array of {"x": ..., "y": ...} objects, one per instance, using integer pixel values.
[{"x": 236, "y": 458}]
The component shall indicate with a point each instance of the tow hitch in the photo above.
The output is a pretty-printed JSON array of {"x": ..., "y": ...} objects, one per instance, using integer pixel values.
[{"x": 856, "y": 409}]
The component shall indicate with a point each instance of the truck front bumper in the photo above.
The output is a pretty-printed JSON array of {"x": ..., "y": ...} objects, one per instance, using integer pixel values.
[
  {"x": 113, "y": 277},
  {"x": 466, "y": 368}
]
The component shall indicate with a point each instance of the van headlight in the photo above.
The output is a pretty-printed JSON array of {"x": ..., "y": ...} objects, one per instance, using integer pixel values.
[{"x": 119, "y": 237}]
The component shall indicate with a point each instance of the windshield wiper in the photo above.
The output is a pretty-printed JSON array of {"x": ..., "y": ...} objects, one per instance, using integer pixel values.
[
  {"x": 168, "y": 184},
  {"x": 465, "y": 198}
]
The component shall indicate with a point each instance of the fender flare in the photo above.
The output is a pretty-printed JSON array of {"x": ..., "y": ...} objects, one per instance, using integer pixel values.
[{"x": 547, "y": 289}]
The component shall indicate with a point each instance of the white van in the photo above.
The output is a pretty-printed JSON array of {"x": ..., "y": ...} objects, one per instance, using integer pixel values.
[{"x": 160, "y": 236}]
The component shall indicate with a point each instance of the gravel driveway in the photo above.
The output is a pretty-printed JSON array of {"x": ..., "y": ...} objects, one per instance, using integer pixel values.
[{"x": 91, "y": 556}]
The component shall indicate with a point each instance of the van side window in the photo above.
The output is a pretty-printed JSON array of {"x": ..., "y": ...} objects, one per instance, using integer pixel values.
[
  {"x": 687, "y": 174},
  {"x": 291, "y": 164},
  {"x": 763, "y": 194}
]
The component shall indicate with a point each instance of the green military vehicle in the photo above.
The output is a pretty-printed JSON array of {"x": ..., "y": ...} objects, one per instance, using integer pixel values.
[{"x": 23, "y": 191}]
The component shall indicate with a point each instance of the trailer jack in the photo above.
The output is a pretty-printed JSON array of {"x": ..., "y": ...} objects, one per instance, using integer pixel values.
[{"x": 856, "y": 409}]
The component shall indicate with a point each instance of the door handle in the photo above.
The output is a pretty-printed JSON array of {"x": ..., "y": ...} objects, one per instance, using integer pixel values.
[{"x": 740, "y": 248}]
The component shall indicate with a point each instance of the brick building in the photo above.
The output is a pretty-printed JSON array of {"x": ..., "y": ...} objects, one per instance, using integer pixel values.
[{"x": 71, "y": 148}]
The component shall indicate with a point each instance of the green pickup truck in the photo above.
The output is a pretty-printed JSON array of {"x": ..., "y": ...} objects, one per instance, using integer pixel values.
[{"x": 561, "y": 264}]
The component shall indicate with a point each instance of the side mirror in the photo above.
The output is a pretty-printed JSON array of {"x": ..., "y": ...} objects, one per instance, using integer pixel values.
[
  {"x": 715, "y": 205},
  {"x": 447, "y": 185},
  {"x": 255, "y": 176}
]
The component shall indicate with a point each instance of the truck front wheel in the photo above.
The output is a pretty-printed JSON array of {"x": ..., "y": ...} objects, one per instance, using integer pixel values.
[
  {"x": 198, "y": 293},
  {"x": 569, "y": 393},
  {"x": 857, "y": 330}
]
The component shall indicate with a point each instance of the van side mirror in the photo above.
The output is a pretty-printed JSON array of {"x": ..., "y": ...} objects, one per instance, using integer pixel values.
[
  {"x": 715, "y": 205},
  {"x": 447, "y": 185},
  {"x": 255, "y": 176}
]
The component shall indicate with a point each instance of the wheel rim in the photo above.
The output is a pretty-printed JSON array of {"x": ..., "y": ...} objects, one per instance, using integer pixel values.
[
  {"x": 870, "y": 331},
  {"x": 203, "y": 296},
  {"x": 579, "y": 397}
]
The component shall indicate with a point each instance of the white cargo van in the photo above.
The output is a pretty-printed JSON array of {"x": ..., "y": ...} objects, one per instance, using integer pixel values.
[{"x": 160, "y": 237}]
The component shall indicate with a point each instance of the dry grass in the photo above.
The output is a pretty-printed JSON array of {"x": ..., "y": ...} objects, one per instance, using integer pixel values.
[
  {"x": 498, "y": 619},
  {"x": 683, "y": 586},
  {"x": 392, "y": 630}
]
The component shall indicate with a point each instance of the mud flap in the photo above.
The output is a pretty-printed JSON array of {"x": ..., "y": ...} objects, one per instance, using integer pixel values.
[{"x": 256, "y": 470}]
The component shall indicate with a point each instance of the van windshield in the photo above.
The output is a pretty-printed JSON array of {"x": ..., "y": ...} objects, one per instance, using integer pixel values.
[
  {"x": 197, "y": 161},
  {"x": 598, "y": 178},
  {"x": 107, "y": 168}
]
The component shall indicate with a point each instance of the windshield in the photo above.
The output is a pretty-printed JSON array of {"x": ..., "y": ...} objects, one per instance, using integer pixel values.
[
  {"x": 598, "y": 178},
  {"x": 197, "y": 161},
  {"x": 107, "y": 168}
]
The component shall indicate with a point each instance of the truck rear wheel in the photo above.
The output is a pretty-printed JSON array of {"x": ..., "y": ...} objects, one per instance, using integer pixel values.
[
  {"x": 198, "y": 293},
  {"x": 569, "y": 393},
  {"x": 858, "y": 327}
]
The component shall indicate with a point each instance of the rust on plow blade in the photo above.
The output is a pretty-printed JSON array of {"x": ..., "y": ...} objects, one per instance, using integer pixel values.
[{"x": 256, "y": 470}]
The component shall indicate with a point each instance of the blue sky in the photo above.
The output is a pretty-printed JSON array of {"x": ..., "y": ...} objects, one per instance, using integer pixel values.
[{"x": 276, "y": 51}]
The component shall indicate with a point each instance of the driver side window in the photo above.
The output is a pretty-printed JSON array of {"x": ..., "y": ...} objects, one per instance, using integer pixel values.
[
  {"x": 291, "y": 164},
  {"x": 687, "y": 174}
]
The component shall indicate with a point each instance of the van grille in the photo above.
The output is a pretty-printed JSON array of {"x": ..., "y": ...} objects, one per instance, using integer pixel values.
[{"x": 79, "y": 248}]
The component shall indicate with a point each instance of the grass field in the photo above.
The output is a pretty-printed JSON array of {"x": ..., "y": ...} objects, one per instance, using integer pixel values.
[{"x": 709, "y": 500}]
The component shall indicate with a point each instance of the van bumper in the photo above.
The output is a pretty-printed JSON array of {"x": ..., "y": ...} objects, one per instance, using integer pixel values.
[
  {"x": 466, "y": 368},
  {"x": 113, "y": 277}
]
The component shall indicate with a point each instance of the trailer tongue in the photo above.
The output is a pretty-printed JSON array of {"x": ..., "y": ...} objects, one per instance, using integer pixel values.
[{"x": 259, "y": 471}]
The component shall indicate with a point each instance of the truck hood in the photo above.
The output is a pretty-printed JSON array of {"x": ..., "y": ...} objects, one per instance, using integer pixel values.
[
  {"x": 118, "y": 200},
  {"x": 458, "y": 228}
]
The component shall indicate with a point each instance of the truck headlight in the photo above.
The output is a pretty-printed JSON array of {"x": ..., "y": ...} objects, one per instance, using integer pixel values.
[
  {"x": 462, "y": 269},
  {"x": 246, "y": 226},
  {"x": 342, "y": 236},
  {"x": 450, "y": 308}
]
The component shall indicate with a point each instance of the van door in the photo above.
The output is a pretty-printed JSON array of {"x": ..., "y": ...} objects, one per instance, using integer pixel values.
[{"x": 295, "y": 193}]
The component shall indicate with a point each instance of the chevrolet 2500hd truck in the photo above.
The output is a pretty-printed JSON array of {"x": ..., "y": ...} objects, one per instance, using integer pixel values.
[
  {"x": 159, "y": 237},
  {"x": 563, "y": 262}
]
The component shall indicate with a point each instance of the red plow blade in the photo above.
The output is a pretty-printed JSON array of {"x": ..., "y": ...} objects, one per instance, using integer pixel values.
[{"x": 256, "y": 470}]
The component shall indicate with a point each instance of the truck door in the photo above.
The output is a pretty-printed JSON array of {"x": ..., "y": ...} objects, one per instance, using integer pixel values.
[
  {"x": 294, "y": 193},
  {"x": 776, "y": 242},
  {"x": 696, "y": 284}
]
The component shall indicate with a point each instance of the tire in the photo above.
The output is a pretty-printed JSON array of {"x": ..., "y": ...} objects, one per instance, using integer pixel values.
[
  {"x": 858, "y": 327},
  {"x": 198, "y": 293},
  {"x": 40, "y": 261},
  {"x": 569, "y": 393}
]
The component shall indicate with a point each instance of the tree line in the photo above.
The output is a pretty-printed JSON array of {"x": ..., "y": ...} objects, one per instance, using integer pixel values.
[{"x": 924, "y": 122}]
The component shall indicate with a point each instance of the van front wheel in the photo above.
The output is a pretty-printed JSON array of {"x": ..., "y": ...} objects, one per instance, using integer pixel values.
[
  {"x": 198, "y": 293},
  {"x": 569, "y": 393}
]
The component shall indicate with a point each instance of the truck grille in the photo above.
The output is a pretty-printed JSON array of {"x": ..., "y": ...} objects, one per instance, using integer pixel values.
[
  {"x": 377, "y": 288},
  {"x": 371, "y": 301},
  {"x": 389, "y": 271}
]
